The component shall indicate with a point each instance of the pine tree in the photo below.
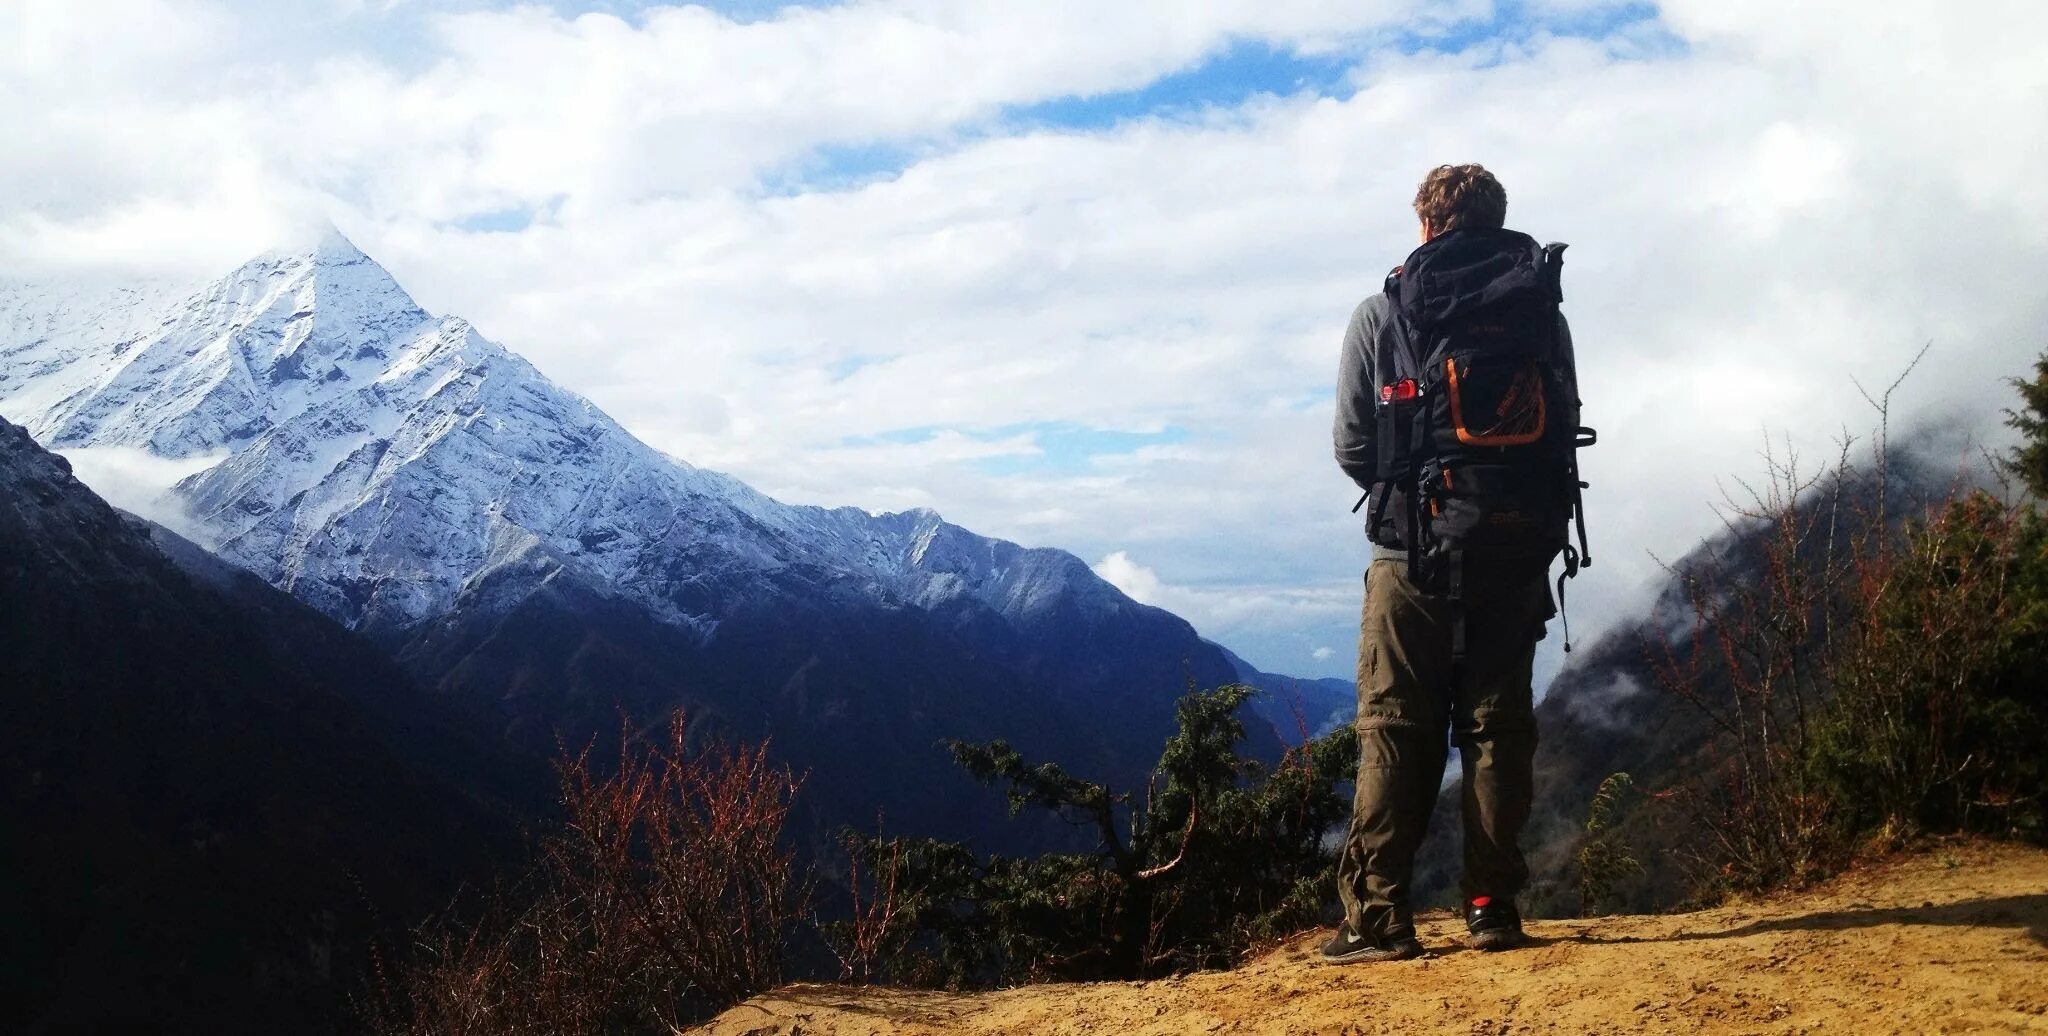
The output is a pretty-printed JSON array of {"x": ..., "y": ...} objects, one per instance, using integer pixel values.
[{"x": 2028, "y": 461}]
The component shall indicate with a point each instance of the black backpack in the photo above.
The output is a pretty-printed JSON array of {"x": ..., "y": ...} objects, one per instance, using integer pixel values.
[{"x": 1478, "y": 438}]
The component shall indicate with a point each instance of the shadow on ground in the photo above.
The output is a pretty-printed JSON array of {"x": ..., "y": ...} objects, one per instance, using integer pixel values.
[{"x": 2029, "y": 912}]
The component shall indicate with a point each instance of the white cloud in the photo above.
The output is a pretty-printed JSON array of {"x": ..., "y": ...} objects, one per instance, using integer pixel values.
[
  {"x": 1763, "y": 200},
  {"x": 1230, "y": 612},
  {"x": 1141, "y": 584},
  {"x": 136, "y": 480}
]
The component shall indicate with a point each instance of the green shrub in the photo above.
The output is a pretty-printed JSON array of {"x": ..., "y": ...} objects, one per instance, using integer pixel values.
[
  {"x": 2028, "y": 461},
  {"x": 1220, "y": 855},
  {"x": 1603, "y": 859},
  {"x": 1938, "y": 722}
]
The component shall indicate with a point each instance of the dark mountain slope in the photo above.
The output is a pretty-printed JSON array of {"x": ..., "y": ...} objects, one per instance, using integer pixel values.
[
  {"x": 1298, "y": 707},
  {"x": 855, "y": 694},
  {"x": 210, "y": 794}
]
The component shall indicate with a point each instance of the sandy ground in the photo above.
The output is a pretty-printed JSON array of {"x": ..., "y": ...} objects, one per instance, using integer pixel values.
[{"x": 1955, "y": 940}]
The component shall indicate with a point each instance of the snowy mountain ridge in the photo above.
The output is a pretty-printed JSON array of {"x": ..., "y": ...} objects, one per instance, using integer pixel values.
[
  {"x": 52, "y": 336},
  {"x": 384, "y": 464}
]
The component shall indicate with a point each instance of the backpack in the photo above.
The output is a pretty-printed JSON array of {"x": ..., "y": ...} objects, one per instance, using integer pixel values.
[{"x": 1476, "y": 426}]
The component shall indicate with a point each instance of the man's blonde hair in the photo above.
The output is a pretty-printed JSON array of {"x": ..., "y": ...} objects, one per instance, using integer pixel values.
[{"x": 1461, "y": 196}]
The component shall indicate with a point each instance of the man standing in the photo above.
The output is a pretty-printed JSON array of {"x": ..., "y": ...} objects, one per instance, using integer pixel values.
[{"x": 1457, "y": 410}]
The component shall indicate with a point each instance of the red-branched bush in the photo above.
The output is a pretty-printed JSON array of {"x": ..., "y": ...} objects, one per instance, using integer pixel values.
[{"x": 667, "y": 894}]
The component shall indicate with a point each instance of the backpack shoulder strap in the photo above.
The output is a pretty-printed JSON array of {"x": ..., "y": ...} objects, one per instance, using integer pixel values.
[
  {"x": 1407, "y": 352},
  {"x": 1550, "y": 270},
  {"x": 1550, "y": 265}
]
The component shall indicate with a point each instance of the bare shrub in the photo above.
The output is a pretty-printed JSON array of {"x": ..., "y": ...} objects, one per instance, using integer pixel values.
[
  {"x": 667, "y": 894},
  {"x": 881, "y": 910},
  {"x": 1755, "y": 663},
  {"x": 1868, "y": 677}
]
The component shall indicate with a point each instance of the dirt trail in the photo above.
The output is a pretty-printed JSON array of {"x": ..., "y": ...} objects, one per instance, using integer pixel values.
[{"x": 1950, "y": 941}]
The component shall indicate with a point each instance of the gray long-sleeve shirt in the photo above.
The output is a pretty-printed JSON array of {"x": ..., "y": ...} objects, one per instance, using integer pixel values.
[{"x": 1371, "y": 345}]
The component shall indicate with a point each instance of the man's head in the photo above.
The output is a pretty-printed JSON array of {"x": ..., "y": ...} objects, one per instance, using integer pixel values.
[{"x": 1460, "y": 197}]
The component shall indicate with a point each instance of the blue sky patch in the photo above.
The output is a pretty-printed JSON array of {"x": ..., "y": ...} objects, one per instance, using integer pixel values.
[
  {"x": 842, "y": 369},
  {"x": 844, "y": 166},
  {"x": 1068, "y": 449},
  {"x": 1065, "y": 448},
  {"x": 501, "y": 221},
  {"x": 1226, "y": 79},
  {"x": 1516, "y": 22}
]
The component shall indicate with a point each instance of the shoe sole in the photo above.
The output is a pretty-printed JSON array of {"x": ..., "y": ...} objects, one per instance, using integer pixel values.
[
  {"x": 1495, "y": 941},
  {"x": 1373, "y": 954}
]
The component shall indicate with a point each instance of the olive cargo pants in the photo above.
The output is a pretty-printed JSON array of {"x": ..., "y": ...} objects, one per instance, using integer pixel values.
[{"x": 1408, "y": 697}]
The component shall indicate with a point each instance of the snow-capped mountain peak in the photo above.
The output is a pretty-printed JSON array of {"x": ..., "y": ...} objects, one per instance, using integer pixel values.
[
  {"x": 384, "y": 464},
  {"x": 282, "y": 334}
]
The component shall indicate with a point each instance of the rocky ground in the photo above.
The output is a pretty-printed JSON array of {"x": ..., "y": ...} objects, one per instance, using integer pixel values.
[{"x": 1950, "y": 940}]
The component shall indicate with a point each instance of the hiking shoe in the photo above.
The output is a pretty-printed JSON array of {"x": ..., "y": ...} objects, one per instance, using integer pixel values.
[
  {"x": 1349, "y": 947},
  {"x": 1495, "y": 924}
]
